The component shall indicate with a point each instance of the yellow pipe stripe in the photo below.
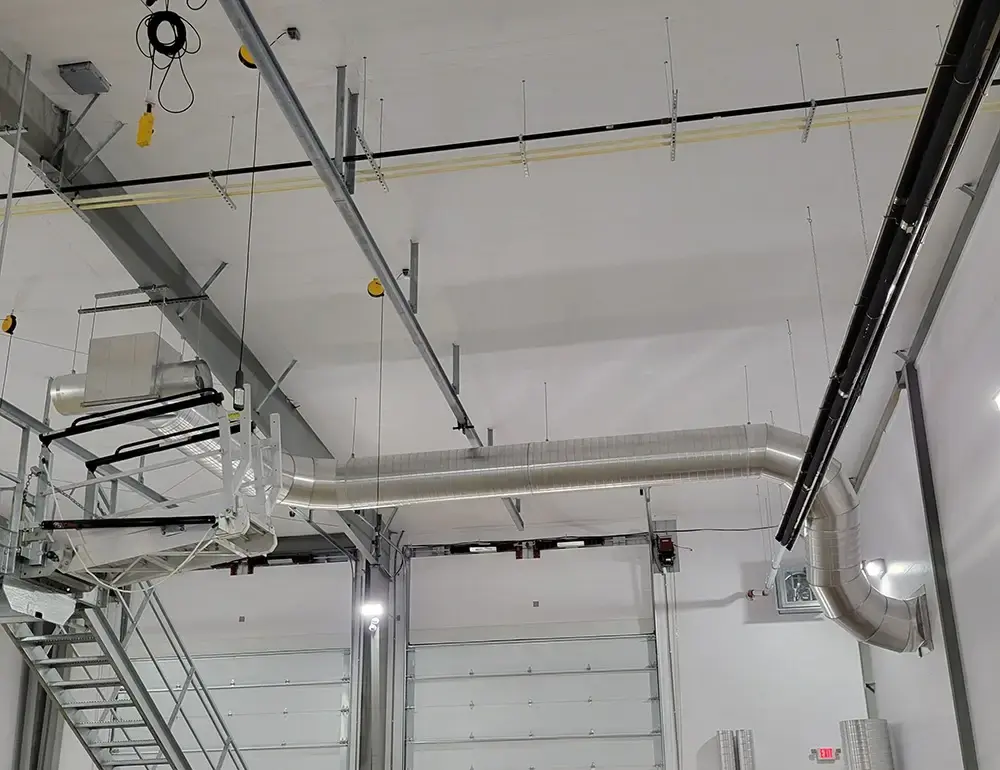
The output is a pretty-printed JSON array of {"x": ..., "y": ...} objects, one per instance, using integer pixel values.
[{"x": 496, "y": 160}]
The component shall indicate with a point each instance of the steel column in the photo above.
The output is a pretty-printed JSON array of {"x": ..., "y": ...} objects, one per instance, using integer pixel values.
[
  {"x": 414, "y": 274},
  {"x": 376, "y": 679},
  {"x": 351, "y": 167},
  {"x": 17, "y": 505},
  {"x": 18, "y": 134},
  {"x": 341, "y": 116},
  {"x": 400, "y": 621},
  {"x": 670, "y": 741},
  {"x": 939, "y": 568},
  {"x": 29, "y": 722},
  {"x": 358, "y": 631},
  {"x": 361, "y": 540},
  {"x": 288, "y": 102}
]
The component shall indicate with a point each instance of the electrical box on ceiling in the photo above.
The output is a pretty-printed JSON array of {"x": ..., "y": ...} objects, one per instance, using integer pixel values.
[{"x": 84, "y": 78}]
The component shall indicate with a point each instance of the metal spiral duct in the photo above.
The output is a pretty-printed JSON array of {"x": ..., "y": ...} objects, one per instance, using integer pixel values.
[
  {"x": 833, "y": 537},
  {"x": 866, "y": 744}
]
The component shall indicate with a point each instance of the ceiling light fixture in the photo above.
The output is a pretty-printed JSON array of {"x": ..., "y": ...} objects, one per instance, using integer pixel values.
[{"x": 372, "y": 610}]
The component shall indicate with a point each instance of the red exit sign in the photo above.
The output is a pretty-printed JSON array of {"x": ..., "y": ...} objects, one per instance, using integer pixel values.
[{"x": 826, "y": 753}]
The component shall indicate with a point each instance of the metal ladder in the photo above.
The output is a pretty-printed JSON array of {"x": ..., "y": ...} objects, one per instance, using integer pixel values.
[{"x": 86, "y": 670}]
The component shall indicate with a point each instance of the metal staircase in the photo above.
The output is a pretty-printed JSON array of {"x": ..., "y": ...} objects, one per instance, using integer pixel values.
[
  {"x": 86, "y": 670},
  {"x": 73, "y": 589}
]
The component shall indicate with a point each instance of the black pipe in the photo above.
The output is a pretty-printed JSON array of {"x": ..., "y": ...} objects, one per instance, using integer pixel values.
[
  {"x": 430, "y": 149},
  {"x": 126, "y": 522},
  {"x": 158, "y": 444},
  {"x": 131, "y": 413},
  {"x": 957, "y": 89}
]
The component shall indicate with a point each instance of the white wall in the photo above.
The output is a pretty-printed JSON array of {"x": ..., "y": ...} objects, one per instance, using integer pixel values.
[
  {"x": 913, "y": 693},
  {"x": 790, "y": 679},
  {"x": 491, "y": 596},
  {"x": 960, "y": 374},
  {"x": 740, "y": 665},
  {"x": 276, "y": 608}
]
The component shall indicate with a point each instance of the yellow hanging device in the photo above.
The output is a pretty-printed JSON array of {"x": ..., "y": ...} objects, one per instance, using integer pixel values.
[{"x": 145, "y": 133}]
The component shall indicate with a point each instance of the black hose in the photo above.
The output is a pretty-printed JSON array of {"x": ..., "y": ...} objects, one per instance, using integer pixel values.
[{"x": 959, "y": 85}]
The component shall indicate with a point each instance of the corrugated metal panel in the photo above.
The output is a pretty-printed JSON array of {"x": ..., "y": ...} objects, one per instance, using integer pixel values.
[
  {"x": 736, "y": 750},
  {"x": 866, "y": 744}
]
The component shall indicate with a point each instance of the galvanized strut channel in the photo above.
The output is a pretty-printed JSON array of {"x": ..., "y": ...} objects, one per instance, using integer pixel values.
[{"x": 288, "y": 102}]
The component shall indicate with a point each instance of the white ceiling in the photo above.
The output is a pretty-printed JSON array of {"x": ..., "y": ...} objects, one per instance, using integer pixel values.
[{"x": 642, "y": 293}]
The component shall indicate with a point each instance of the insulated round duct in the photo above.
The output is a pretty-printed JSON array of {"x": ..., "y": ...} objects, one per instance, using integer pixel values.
[
  {"x": 68, "y": 392},
  {"x": 833, "y": 529}
]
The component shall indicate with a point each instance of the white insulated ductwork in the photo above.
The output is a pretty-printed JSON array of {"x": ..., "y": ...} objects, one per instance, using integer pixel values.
[{"x": 832, "y": 530}]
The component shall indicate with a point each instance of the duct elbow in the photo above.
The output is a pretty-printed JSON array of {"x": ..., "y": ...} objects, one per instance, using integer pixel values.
[
  {"x": 874, "y": 618},
  {"x": 844, "y": 589}
]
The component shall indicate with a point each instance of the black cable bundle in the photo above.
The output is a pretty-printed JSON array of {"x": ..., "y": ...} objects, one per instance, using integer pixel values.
[{"x": 165, "y": 37}]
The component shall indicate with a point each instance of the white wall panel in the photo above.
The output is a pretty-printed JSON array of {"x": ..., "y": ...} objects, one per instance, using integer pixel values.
[
  {"x": 273, "y": 651},
  {"x": 568, "y": 680},
  {"x": 494, "y": 596},
  {"x": 913, "y": 693},
  {"x": 960, "y": 374},
  {"x": 568, "y": 703},
  {"x": 276, "y": 608}
]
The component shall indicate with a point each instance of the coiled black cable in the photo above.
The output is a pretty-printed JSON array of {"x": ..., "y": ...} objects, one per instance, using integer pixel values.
[
  {"x": 163, "y": 51},
  {"x": 176, "y": 23}
]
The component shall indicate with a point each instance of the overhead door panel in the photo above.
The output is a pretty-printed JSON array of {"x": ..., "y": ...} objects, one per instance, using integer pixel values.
[
  {"x": 542, "y": 701},
  {"x": 272, "y": 650}
]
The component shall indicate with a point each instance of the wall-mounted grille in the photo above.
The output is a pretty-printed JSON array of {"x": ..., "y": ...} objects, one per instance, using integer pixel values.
[{"x": 794, "y": 594}]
